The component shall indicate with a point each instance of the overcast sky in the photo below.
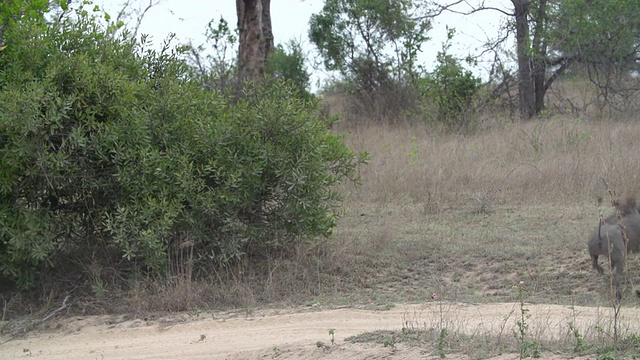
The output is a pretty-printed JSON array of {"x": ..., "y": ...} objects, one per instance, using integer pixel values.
[{"x": 290, "y": 20}]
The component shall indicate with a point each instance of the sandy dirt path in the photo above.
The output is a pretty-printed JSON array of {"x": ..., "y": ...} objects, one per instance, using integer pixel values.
[{"x": 267, "y": 334}]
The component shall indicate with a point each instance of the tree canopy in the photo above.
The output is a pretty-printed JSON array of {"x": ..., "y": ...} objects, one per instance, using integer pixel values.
[{"x": 553, "y": 36}]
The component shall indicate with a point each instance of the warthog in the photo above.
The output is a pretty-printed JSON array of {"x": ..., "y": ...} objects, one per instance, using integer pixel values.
[{"x": 608, "y": 239}]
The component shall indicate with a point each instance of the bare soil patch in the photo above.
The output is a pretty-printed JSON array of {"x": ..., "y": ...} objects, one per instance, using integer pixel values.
[{"x": 294, "y": 334}]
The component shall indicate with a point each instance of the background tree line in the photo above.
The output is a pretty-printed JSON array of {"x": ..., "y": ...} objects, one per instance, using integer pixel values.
[{"x": 373, "y": 46}]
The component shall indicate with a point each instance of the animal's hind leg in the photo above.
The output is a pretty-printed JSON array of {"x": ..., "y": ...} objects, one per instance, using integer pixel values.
[
  {"x": 617, "y": 279},
  {"x": 597, "y": 266}
]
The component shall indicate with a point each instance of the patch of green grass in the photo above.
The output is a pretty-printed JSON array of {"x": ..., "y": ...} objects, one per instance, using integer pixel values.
[
  {"x": 482, "y": 345},
  {"x": 410, "y": 338}
]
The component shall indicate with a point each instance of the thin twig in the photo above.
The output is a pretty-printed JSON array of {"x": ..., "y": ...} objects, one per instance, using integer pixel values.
[
  {"x": 62, "y": 307},
  {"x": 34, "y": 324}
]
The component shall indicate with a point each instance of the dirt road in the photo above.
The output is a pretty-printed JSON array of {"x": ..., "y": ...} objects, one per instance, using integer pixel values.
[{"x": 287, "y": 334}]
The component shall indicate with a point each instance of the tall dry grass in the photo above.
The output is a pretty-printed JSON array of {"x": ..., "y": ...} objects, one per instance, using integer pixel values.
[{"x": 553, "y": 161}]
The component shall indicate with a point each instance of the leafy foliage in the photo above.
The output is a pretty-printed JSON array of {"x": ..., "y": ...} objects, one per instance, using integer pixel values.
[
  {"x": 599, "y": 31},
  {"x": 13, "y": 11},
  {"x": 348, "y": 30},
  {"x": 288, "y": 63},
  {"x": 112, "y": 153},
  {"x": 60, "y": 112},
  {"x": 217, "y": 70},
  {"x": 451, "y": 88},
  {"x": 603, "y": 37},
  {"x": 374, "y": 41}
]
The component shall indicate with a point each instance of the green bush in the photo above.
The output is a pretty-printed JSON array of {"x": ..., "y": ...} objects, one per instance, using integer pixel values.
[
  {"x": 451, "y": 89},
  {"x": 217, "y": 70},
  {"x": 112, "y": 154},
  {"x": 288, "y": 63}
]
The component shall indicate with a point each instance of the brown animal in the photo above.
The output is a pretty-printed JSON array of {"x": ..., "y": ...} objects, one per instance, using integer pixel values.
[{"x": 608, "y": 239}]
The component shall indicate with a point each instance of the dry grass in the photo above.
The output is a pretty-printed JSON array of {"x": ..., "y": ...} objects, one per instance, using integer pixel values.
[
  {"x": 555, "y": 161},
  {"x": 512, "y": 202},
  {"x": 466, "y": 217},
  {"x": 462, "y": 216}
]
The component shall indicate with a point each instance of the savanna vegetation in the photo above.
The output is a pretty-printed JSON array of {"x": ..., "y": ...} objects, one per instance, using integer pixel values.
[{"x": 136, "y": 179}]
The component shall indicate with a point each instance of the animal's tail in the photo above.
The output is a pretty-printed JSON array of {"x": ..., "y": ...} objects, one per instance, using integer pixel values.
[{"x": 600, "y": 227}]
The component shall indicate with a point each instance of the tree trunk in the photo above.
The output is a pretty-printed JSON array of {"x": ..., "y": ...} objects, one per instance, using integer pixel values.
[
  {"x": 267, "y": 30},
  {"x": 526, "y": 88},
  {"x": 256, "y": 38},
  {"x": 539, "y": 50}
]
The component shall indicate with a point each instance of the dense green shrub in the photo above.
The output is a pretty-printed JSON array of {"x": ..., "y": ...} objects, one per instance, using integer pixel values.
[
  {"x": 288, "y": 63},
  {"x": 111, "y": 154},
  {"x": 451, "y": 88}
]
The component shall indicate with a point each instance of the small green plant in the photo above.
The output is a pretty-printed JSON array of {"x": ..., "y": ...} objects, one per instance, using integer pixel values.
[
  {"x": 99, "y": 289},
  {"x": 389, "y": 342},
  {"x": 217, "y": 69},
  {"x": 608, "y": 356},
  {"x": 576, "y": 137},
  {"x": 528, "y": 348},
  {"x": 441, "y": 343},
  {"x": 535, "y": 138},
  {"x": 580, "y": 342},
  {"x": 276, "y": 351},
  {"x": 98, "y": 285},
  {"x": 414, "y": 153},
  {"x": 332, "y": 333}
]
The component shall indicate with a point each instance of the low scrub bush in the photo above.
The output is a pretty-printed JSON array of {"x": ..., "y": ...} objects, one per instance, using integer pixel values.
[
  {"x": 113, "y": 157},
  {"x": 450, "y": 89}
]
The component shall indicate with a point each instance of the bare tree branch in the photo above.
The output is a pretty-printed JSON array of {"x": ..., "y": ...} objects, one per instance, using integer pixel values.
[
  {"x": 493, "y": 46},
  {"x": 565, "y": 65},
  {"x": 140, "y": 13},
  {"x": 440, "y": 9}
]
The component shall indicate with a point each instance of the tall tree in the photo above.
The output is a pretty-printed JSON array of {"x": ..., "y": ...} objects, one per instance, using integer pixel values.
[
  {"x": 604, "y": 38},
  {"x": 374, "y": 45},
  {"x": 256, "y": 38},
  {"x": 552, "y": 35},
  {"x": 538, "y": 67},
  {"x": 377, "y": 36},
  {"x": 525, "y": 80}
]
